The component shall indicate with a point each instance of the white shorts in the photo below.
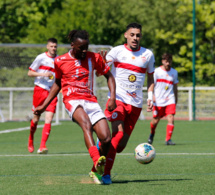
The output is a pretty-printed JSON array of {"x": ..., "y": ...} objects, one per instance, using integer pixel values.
[{"x": 92, "y": 109}]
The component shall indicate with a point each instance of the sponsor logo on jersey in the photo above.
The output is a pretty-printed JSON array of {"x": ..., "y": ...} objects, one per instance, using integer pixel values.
[
  {"x": 58, "y": 59},
  {"x": 114, "y": 115},
  {"x": 133, "y": 57},
  {"x": 132, "y": 78},
  {"x": 132, "y": 94},
  {"x": 143, "y": 59}
]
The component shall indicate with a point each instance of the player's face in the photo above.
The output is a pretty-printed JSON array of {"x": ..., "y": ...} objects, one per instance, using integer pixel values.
[
  {"x": 80, "y": 48},
  {"x": 52, "y": 49},
  {"x": 133, "y": 36},
  {"x": 167, "y": 64}
]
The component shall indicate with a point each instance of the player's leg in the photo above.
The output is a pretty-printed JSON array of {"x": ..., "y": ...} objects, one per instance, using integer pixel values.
[
  {"x": 117, "y": 136},
  {"x": 169, "y": 129},
  {"x": 153, "y": 124},
  {"x": 33, "y": 128},
  {"x": 170, "y": 112},
  {"x": 49, "y": 115},
  {"x": 45, "y": 132},
  {"x": 83, "y": 120},
  {"x": 103, "y": 133}
]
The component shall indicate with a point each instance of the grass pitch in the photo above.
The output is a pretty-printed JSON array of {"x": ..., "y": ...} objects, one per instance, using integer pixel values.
[{"x": 186, "y": 168}]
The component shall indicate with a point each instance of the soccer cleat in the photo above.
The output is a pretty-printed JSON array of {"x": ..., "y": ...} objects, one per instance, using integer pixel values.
[
  {"x": 96, "y": 177},
  {"x": 106, "y": 180},
  {"x": 42, "y": 150},
  {"x": 169, "y": 142},
  {"x": 100, "y": 165},
  {"x": 30, "y": 146},
  {"x": 151, "y": 137}
]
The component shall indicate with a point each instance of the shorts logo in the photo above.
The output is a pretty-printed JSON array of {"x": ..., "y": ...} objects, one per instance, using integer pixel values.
[
  {"x": 155, "y": 113},
  {"x": 114, "y": 115},
  {"x": 132, "y": 78}
]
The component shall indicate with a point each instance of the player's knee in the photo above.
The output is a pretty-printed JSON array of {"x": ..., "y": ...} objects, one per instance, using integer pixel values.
[{"x": 106, "y": 140}]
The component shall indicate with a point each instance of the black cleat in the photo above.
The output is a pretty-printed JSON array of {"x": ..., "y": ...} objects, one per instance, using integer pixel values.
[
  {"x": 151, "y": 137},
  {"x": 169, "y": 142}
]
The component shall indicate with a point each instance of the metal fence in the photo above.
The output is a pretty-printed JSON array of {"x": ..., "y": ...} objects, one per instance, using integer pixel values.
[{"x": 16, "y": 103}]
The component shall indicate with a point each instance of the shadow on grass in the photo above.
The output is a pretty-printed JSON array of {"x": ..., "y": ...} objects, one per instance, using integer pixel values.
[{"x": 150, "y": 180}]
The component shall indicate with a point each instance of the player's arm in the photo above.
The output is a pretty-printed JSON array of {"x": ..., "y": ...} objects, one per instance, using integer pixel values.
[
  {"x": 32, "y": 73},
  {"x": 112, "y": 87},
  {"x": 150, "y": 89},
  {"x": 175, "y": 90},
  {"x": 55, "y": 89}
]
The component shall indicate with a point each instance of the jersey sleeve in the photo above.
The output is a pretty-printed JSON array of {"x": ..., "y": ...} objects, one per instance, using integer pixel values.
[
  {"x": 176, "y": 81},
  {"x": 35, "y": 64},
  {"x": 58, "y": 72},
  {"x": 110, "y": 57},
  {"x": 155, "y": 76},
  {"x": 151, "y": 64},
  {"x": 100, "y": 65}
]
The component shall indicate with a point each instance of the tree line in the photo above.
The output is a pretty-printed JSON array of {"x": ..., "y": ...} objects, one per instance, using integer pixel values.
[{"x": 167, "y": 27}]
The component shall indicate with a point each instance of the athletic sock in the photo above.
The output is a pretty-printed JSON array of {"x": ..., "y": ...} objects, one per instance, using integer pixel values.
[
  {"x": 94, "y": 154},
  {"x": 45, "y": 134},
  {"x": 169, "y": 131},
  {"x": 153, "y": 127},
  {"x": 116, "y": 137},
  {"x": 33, "y": 128}
]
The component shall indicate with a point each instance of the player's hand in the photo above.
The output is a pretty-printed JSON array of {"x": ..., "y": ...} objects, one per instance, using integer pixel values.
[
  {"x": 48, "y": 74},
  {"x": 149, "y": 105},
  {"x": 103, "y": 54},
  {"x": 111, "y": 105},
  {"x": 39, "y": 110}
]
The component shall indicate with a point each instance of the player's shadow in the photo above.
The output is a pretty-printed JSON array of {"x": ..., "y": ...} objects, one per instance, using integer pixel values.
[{"x": 150, "y": 180}]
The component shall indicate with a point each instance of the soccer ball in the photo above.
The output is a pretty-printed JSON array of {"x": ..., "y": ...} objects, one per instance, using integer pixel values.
[{"x": 144, "y": 153}]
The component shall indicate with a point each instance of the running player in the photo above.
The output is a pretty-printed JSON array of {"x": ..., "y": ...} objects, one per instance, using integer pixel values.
[
  {"x": 42, "y": 69},
  {"x": 165, "y": 94},
  {"x": 74, "y": 74},
  {"x": 130, "y": 63}
]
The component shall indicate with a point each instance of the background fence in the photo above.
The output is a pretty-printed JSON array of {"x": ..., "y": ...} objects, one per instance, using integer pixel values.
[{"x": 16, "y": 103}]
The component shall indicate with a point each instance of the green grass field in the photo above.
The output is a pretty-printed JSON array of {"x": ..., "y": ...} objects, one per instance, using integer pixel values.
[{"x": 186, "y": 168}]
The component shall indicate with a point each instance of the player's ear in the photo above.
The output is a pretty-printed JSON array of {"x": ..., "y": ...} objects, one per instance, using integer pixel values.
[
  {"x": 126, "y": 35},
  {"x": 72, "y": 44}
]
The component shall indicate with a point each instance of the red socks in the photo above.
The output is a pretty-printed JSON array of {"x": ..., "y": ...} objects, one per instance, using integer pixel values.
[
  {"x": 169, "y": 131},
  {"x": 116, "y": 137},
  {"x": 33, "y": 128},
  {"x": 94, "y": 154},
  {"x": 152, "y": 128},
  {"x": 45, "y": 134}
]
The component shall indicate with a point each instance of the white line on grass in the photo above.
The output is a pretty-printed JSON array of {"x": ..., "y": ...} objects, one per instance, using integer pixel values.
[
  {"x": 123, "y": 154},
  {"x": 23, "y": 128}
]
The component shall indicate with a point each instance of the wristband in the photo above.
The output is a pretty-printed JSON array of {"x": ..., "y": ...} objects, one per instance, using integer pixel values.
[{"x": 150, "y": 95}]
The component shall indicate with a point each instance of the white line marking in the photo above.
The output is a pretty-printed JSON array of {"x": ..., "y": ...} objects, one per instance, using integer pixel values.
[
  {"x": 123, "y": 154},
  {"x": 22, "y": 129}
]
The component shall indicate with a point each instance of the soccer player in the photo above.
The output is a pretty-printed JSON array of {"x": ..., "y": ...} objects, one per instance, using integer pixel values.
[
  {"x": 42, "y": 69},
  {"x": 165, "y": 96},
  {"x": 74, "y": 74},
  {"x": 130, "y": 63}
]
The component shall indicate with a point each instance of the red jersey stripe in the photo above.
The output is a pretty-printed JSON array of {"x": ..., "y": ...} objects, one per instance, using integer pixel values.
[
  {"x": 164, "y": 81},
  {"x": 47, "y": 68},
  {"x": 130, "y": 67}
]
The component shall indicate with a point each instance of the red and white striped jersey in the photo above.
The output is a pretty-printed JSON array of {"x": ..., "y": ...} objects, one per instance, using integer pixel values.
[
  {"x": 77, "y": 75},
  {"x": 129, "y": 69},
  {"x": 43, "y": 63},
  {"x": 164, "y": 82}
]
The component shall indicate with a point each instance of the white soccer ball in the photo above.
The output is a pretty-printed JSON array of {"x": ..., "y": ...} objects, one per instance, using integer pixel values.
[{"x": 144, "y": 153}]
